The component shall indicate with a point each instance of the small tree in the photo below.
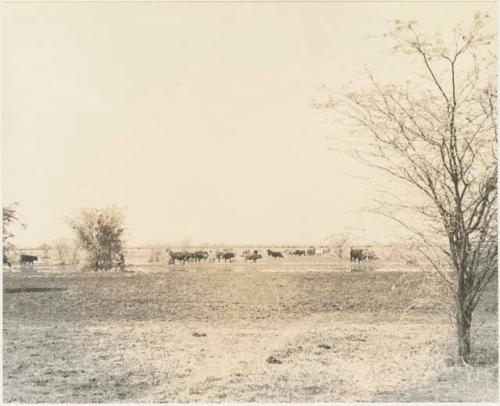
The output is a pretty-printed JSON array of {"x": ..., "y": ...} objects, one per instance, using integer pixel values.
[
  {"x": 100, "y": 233},
  {"x": 9, "y": 219},
  {"x": 437, "y": 135}
]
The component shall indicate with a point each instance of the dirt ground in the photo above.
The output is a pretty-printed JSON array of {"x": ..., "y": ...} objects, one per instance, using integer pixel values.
[{"x": 191, "y": 334}]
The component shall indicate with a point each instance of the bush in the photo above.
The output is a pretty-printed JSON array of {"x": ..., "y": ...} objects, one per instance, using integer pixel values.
[{"x": 99, "y": 232}]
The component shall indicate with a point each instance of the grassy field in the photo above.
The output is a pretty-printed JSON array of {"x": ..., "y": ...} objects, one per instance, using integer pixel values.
[{"x": 205, "y": 333}]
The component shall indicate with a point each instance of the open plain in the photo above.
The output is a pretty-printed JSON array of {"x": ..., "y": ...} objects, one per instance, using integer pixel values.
[{"x": 299, "y": 330}]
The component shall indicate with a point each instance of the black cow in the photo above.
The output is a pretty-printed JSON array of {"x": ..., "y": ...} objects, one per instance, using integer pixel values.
[
  {"x": 358, "y": 255},
  {"x": 28, "y": 259},
  {"x": 299, "y": 253},
  {"x": 224, "y": 255},
  {"x": 274, "y": 254},
  {"x": 198, "y": 256},
  {"x": 228, "y": 256},
  {"x": 179, "y": 256},
  {"x": 253, "y": 257}
]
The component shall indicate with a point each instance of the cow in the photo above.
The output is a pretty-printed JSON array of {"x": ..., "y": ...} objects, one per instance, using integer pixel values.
[
  {"x": 358, "y": 255},
  {"x": 225, "y": 255},
  {"x": 323, "y": 251},
  {"x": 274, "y": 254},
  {"x": 228, "y": 256},
  {"x": 253, "y": 257},
  {"x": 311, "y": 251},
  {"x": 179, "y": 256},
  {"x": 28, "y": 259},
  {"x": 299, "y": 253},
  {"x": 199, "y": 256},
  {"x": 218, "y": 255}
]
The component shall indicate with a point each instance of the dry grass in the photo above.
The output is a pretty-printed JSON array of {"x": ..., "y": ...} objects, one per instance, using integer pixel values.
[{"x": 130, "y": 337}]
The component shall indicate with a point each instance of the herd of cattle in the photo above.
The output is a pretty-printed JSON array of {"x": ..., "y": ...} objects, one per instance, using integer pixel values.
[{"x": 356, "y": 255}]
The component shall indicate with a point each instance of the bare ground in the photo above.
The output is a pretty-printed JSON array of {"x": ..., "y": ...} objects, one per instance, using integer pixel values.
[{"x": 189, "y": 336}]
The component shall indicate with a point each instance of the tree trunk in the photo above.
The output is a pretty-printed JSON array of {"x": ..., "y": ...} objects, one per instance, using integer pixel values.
[{"x": 464, "y": 319}]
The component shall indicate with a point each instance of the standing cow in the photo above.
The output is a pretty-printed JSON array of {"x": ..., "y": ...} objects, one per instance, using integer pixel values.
[
  {"x": 178, "y": 256},
  {"x": 311, "y": 251},
  {"x": 225, "y": 255},
  {"x": 358, "y": 255},
  {"x": 199, "y": 256},
  {"x": 274, "y": 254},
  {"x": 253, "y": 257},
  {"x": 28, "y": 259}
]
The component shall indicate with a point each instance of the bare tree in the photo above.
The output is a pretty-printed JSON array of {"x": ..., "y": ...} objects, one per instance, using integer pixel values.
[
  {"x": 437, "y": 134},
  {"x": 100, "y": 233}
]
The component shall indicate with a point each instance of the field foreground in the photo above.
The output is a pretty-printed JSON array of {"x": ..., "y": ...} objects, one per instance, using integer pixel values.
[{"x": 188, "y": 336}]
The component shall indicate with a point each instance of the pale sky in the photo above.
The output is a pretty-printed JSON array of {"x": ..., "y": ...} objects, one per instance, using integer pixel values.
[{"x": 195, "y": 118}]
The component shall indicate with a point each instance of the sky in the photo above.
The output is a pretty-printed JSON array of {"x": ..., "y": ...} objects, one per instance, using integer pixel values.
[{"x": 196, "y": 119}]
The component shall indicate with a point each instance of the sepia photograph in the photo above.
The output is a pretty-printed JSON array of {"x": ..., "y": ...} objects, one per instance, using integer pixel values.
[{"x": 237, "y": 201}]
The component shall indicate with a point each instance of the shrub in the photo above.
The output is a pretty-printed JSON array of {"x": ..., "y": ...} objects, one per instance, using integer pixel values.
[{"x": 99, "y": 232}]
